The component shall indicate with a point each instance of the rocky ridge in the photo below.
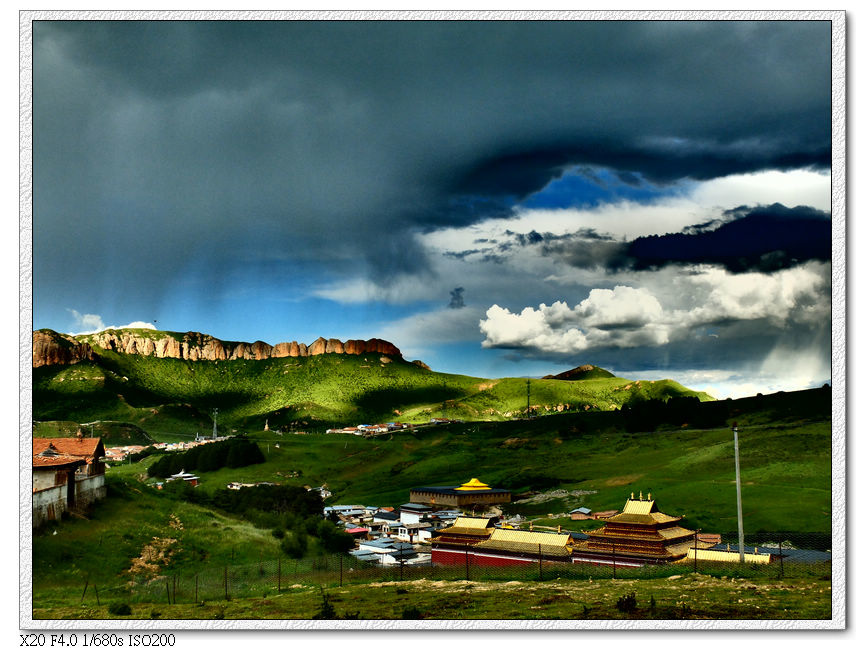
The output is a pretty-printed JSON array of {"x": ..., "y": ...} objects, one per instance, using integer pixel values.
[{"x": 51, "y": 348}]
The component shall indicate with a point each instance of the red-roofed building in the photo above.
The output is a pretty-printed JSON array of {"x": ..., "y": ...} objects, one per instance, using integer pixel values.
[{"x": 68, "y": 475}]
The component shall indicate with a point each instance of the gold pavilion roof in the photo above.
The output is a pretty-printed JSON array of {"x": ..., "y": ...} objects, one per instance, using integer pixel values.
[
  {"x": 635, "y": 507},
  {"x": 528, "y": 542},
  {"x": 469, "y": 526},
  {"x": 641, "y": 511},
  {"x": 473, "y": 522},
  {"x": 648, "y": 519},
  {"x": 474, "y": 484},
  {"x": 674, "y": 532}
]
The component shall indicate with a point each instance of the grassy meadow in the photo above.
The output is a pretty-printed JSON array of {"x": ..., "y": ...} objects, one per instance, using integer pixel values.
[
  {"x": 590, "y": 443},
  {"x": 679, "y": 597}
]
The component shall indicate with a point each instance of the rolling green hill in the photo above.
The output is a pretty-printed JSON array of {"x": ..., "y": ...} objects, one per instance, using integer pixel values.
[{"x": 165, "y": 396}]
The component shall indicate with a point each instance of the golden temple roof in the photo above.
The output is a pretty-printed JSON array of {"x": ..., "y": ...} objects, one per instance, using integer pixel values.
[
  {"x": 473, "y": 522},
  {"x": 728, "y": 556},
  {"x": 674, "y": 532},
  {"x": 474, "y": 484},
  {"x": 528, "y": 542},
  {"x": 642, "y": 511},
  {"x": 638, "y": 506},
  {"x": 530, "y": 537},
  {"x": 647, "y": 519},
  {"x": 471, "y": 526}
]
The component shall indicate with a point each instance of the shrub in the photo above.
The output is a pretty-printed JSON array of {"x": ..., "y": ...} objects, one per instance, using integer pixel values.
[
  {"x": 119, "y": 609},
  {"x": 325, "y": 610},
  {"x": 627, "y": 603},
  {"x": 411, "y": 613},
  {"x": 294, "y": 545}
]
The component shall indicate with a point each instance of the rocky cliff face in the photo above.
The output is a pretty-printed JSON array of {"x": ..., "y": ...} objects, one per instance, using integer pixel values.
[{"x": 52, "y": 348}]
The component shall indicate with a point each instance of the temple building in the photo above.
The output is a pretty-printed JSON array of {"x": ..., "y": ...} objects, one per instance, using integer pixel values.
[
  {"x": 476, "y": 540},
  {"x": 507, "y": 547},
  {"x": 470, "y": 495},
  {"x": 639, "y": 535}
]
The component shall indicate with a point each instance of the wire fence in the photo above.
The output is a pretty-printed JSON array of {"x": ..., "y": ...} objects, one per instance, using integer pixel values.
[{"x": 276, "y": 575}]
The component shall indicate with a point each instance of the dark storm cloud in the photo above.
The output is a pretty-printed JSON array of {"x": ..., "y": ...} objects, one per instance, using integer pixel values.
[
  {"x": 760, "y": 239},
  {"x": 166, "y": 148},
  {"x": 741, "y": 344},
  {"x": 764, "y": 238},
  {"x": 457, "y": 300}
]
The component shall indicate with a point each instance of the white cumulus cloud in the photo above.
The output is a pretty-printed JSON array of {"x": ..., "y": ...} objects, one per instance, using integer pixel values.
[
  {"x": 628, "y": 317},
  {"x": 619, "y": 317},
  {"x": 92, "y": 323}
]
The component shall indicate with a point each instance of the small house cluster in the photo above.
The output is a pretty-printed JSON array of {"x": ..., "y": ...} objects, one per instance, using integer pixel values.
[
  {"x": 119, "y": 454},
  {"x": 387, "y": 535},
  {"x": 369, "y": 430},
  {"x": 237, "y": 485},
  {"x": 183, "y": 446}
]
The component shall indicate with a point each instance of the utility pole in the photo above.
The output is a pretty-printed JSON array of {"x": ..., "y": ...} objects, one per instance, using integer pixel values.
[
  {"x": 738, "y": 494},
  {"x": 215, "y": 413},
  {"x": 528, "y": 399}
]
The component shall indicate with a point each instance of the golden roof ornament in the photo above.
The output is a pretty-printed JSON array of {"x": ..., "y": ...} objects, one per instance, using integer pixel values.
[{"x": 474, "y": 484}]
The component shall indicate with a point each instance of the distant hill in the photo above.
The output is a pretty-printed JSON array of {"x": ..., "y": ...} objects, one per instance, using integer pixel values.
[
  {"x": 583, "y": 372},
  {"x": 111, "y": 433},
  {"x": 119, "y": 376}
]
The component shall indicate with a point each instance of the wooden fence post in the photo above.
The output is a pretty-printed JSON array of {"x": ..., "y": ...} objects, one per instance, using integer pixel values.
[
  {"x": 614, "y": 560},
  {"x": 467, "y": 561},
  {"x": 781, "y": 558},
  {"x": 196, "y": 588},
  {"x": 540, "y": 563},
  {"x": 695, "y": 551},
  {"x": 278, "y": 574},
  {"x": 86, "y": 582}
]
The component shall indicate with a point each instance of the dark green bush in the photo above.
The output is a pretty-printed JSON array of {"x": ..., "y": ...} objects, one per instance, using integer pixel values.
[
  {"x": 627, "y": 603},
  {"x": 411, "y": 613},
  {"x": 119, "y": 609}
]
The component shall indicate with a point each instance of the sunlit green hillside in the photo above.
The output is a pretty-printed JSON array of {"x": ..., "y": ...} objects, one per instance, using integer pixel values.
[{"x": 172, "y": 396}]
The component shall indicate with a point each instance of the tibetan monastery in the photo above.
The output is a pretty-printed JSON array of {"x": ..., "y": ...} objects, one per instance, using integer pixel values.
[
  {"x": 639, "y": 535},
  {"x": 468, "y": 495},
  {"x": 477, "y": 540}
]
